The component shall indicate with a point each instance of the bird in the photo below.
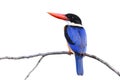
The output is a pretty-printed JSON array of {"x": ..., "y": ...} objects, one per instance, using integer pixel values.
[{"x": 76, "y": 38}]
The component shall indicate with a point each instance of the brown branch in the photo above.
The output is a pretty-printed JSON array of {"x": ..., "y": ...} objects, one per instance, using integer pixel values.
[{"x": 57, "y": 53}]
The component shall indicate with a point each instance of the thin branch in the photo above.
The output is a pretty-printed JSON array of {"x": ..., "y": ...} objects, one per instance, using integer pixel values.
[
  {"x": 34, "y": 67},
  {"x": 102, "y": 61},
  {"x": 34, "y": 55},
  {"x": 57, "y": 53}
]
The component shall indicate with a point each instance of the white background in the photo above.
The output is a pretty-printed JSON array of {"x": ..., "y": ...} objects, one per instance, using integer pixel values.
[{"x": 26, "y": 28}]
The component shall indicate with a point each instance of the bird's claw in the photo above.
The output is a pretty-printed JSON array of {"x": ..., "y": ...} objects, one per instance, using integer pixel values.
[{"x": 70, "y": 52}]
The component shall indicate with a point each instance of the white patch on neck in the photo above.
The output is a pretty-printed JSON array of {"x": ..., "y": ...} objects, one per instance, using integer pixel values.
[{"x": 73, "y": 24}]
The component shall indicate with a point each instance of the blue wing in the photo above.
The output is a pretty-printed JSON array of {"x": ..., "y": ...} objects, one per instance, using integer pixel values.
[{"x": 76, "y": 38}]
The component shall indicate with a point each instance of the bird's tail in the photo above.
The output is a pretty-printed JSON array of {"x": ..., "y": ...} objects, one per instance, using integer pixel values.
[{"x": 79, "y": 64}]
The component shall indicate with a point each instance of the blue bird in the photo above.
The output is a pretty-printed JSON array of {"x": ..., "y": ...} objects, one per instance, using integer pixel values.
[{"x": 75, "y": 35}]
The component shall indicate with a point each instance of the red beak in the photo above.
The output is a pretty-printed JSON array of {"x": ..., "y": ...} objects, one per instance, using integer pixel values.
[{"x": 59, "y": 16}]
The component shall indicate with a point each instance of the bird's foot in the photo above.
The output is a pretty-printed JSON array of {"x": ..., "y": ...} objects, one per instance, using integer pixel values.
[{"x": 70, "y": 52}]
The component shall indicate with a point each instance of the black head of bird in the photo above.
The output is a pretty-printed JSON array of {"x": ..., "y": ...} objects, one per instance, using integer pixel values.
[{"x": 69, "y": 17}]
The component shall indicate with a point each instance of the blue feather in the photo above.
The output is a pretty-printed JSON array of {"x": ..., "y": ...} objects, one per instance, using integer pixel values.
[
  {"x": 79, "y": 64},
  {"x": 76, "y": 38}
]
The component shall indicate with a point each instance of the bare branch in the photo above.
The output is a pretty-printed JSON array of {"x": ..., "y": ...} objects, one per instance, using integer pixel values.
[
  {"x": 102, "y": 61},
  {"x": 34, "y": 55},
  {"x": 57, "y": 53},
  {"x": 34, "y": 67}
]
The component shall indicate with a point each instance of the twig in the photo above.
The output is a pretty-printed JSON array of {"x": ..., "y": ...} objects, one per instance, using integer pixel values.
[
  {"x": 102, "y": 61},
  {"x": 34, "y": 68},
  {"x": 57, "y": 53}
]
